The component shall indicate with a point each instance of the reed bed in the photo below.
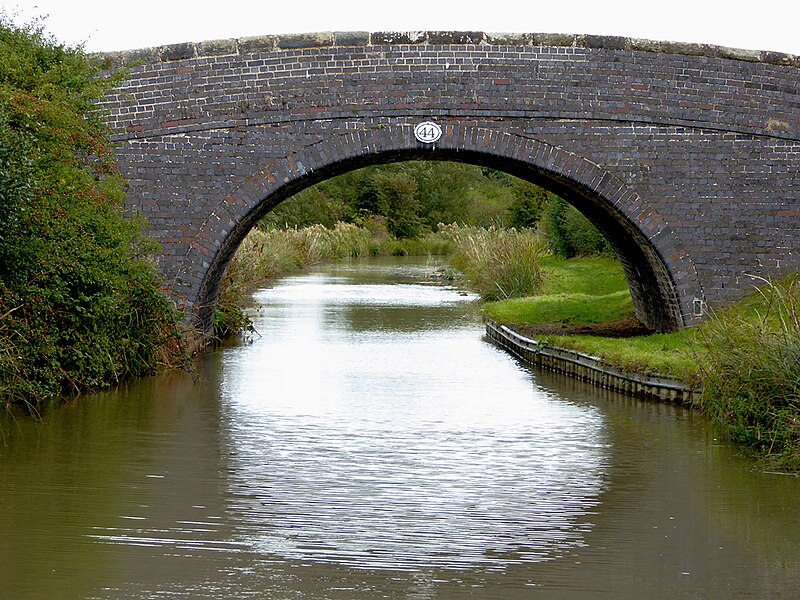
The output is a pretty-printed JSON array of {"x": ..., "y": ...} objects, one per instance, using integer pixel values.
[{"x": 498, "y": 263}]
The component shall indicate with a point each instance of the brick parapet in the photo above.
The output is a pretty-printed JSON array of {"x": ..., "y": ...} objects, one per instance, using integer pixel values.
[
  {"x": 269, "y": 43},
  {"x": 470, "y": 81}
]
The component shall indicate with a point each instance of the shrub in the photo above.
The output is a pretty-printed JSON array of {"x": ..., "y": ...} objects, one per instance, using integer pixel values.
[{"x": 79, "y": 300}]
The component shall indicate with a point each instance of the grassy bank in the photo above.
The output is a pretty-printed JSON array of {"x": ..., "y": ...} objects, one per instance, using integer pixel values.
[
  {"x": 590, "y": 296},
  {"x": 746, "y": 358},
  {"x": 752, "y": 372},
  {"x": 571, "y": 292}
]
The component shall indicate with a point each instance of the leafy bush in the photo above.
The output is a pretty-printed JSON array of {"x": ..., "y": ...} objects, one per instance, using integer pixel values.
[{"x": 79, "y": 300}]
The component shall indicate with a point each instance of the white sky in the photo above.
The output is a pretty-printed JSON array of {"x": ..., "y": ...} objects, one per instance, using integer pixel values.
[{"x": 101, "y": 25}]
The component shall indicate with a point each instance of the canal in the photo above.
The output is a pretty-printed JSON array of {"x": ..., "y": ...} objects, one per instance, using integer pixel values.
[{"x": 367, "y": 442}]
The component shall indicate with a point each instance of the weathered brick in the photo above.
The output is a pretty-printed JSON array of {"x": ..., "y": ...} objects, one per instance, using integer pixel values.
[{"x": 685, "y": 155}]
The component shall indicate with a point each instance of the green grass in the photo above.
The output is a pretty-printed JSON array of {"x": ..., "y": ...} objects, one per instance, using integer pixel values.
[
  {"x": 676, "y": 355},
  {"x": 588, "y": 291},
  {"x": 596, "y": 276},
  {"x": 564, "y": 309},
  {"x": 572, "y": 292}
]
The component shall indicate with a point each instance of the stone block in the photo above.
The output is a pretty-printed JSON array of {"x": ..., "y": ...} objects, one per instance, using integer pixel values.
[
  {"x": 177, "y": 52},
  {"x": 444, "y": 38},
  {"x": 397, "y": 37},
  {"x": 351, "y": 38},
  {"x": 140, "y": 56},
  {"x": 509, "y": 39},
  {"x": 554, "y": 39},
  {"x": 736, "y": 53},
  {"x": 305, "y": 40},
  {"x": 217, "y": 47},
  {"x": 606, "y": 42},
  {"x": 666, "y": 47},
  {"x": 253, "y": 45}
]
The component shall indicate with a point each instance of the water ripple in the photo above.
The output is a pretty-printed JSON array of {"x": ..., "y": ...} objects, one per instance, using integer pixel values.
[{"x": 399, "y": 450}]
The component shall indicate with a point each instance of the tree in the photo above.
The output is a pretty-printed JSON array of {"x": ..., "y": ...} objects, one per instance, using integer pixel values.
[
  {"x": 395, "y": 192},
  {"x": 528, "y": 205}
]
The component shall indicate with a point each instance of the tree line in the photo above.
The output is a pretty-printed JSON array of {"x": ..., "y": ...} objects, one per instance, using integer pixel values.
[{"x": 411, "y": 199}]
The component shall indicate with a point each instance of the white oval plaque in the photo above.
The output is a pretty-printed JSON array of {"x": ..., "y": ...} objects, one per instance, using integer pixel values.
[{"x": 427, "y": 132}]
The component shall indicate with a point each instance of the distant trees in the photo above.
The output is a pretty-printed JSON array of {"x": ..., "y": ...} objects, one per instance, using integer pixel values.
[{"x": 413, "y": 198}]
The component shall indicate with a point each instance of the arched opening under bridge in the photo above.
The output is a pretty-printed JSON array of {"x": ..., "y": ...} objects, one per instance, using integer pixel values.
[{"x": 661, "y": 277}]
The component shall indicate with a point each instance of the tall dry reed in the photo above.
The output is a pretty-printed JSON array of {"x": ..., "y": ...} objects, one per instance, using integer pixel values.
[{"x": 499, "y": 263}]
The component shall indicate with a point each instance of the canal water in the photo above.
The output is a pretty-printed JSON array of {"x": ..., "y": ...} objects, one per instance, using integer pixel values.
[{"x": 367, "y": 442}]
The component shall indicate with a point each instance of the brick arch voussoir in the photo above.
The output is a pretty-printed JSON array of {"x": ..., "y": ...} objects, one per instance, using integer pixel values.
[{"x": 216, "y": 241}]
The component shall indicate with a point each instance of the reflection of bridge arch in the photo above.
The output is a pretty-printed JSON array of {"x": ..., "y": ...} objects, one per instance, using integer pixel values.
[{"x": 686, "y": 157}]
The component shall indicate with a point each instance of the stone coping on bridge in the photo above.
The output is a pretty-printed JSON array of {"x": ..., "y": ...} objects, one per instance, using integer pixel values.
[
  {"x": 589, "y": 368},
  {"x": 270, "y": 43}
]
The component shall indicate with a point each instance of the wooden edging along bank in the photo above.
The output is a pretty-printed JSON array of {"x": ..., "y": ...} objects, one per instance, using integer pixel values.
[{"x": 588, "y": 368}]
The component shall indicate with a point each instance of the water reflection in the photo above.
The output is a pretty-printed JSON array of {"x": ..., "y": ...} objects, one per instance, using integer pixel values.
[
  {"x": 348, "y": 455},
  {"x": 368, "y": 438}
]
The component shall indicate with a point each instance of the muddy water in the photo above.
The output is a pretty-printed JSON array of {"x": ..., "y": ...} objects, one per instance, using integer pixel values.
[{"x": 368, "y": 443}]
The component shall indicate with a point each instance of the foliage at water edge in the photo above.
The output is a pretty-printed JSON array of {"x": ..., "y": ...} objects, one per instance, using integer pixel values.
[
  {"x": 79, "y": 301},
  {"x": 752, "y": 376}
]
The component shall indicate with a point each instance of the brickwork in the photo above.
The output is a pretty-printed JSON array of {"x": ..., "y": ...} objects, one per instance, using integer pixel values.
[{"x": 687, "y": 157}]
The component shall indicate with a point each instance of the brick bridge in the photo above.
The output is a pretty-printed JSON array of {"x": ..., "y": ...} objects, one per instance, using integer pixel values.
[{"x": 687, "y": 157}]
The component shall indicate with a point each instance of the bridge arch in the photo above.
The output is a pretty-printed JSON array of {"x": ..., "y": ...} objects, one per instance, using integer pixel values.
[
  {"x": 662, "y": 278},
  {"x": 685, "y": 156}
]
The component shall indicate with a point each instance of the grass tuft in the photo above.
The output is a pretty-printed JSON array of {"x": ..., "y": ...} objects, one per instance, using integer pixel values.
[
  {"x": 498, "y": 263},
  {"x": 752, "y": 377}
]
